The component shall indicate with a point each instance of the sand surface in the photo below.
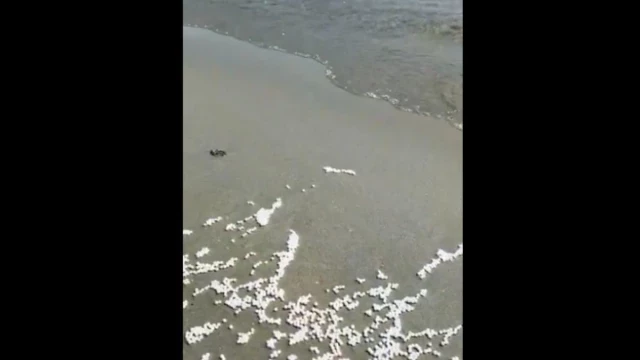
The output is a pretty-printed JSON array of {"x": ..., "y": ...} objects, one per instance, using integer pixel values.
[{"x": 281, "y": 121}]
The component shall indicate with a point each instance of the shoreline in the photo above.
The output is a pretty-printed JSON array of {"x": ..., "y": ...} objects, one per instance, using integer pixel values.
[{"x": 330, "y": 77}]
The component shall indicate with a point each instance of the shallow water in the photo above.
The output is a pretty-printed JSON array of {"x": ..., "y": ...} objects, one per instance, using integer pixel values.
[{"x": 408, "y": 52}]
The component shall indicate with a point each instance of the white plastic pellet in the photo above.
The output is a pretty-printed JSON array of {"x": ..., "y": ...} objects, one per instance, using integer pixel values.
[
  {"x": 329, "y": 169},
  {"x": 264, "y": 215},
  {"x": 381, "y": 275},
  {"x": 202, "y": 252},
  {"x": 212, "y": 221}
]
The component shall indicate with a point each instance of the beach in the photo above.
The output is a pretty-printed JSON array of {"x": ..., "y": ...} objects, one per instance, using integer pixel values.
[{"x": 281, "y": 122}]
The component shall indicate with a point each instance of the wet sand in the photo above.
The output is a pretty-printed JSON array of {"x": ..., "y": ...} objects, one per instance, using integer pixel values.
[{"x": 281, "y": 121}]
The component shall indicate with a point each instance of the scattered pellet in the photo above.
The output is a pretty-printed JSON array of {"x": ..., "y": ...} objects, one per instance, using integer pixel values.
[
  {"x": 244, "y": 338},
  {"x": 202, "y": 252},
  {"x": 337, "y": 288},
  {"x": 382, "y": 275},
  {"x": 197, "y": 333},
  {"x": 441, "y": 256},
  {"x": 271, "y": 343},
  {"x": 212, "y": 221},
  {"x": 313, "y": 322}
]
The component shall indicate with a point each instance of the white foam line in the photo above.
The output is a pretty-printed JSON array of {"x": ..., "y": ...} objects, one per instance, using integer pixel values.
[
  {"x": 187, "y": 232},
  {"x": 441, "y": 256},
  {"x": 329, "y": 169}
]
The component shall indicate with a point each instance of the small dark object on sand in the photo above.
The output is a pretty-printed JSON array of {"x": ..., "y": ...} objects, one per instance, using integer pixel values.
[{"x": 217, "y": 153}]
